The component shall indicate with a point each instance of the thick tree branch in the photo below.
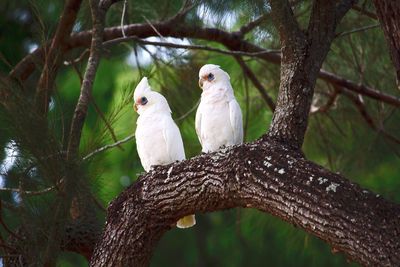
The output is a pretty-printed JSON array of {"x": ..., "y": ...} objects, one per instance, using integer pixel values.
[
  {"x": 264, "y": 175},
  {"x": 288, "y": 28},
  {"x": 389, "y": 13},
  {"x": 252, "y": 24},
  {"x": 302, "y": 58},
  {"x": 26, "y": 66}
]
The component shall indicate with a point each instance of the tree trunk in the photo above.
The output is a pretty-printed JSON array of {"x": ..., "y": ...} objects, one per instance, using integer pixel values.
[
  {"x": 264, "y": 175},
  {"x": 388, "y": 12},
  {"x": 302, "y": 56}
]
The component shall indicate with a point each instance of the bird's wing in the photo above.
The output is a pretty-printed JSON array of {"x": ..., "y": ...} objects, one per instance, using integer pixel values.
[
  {"x": 140, "y": 136},
  {"x": 198, "y": 123},
  {"x": 173, "y": 140},
  {"x": 235, "y": 115}
]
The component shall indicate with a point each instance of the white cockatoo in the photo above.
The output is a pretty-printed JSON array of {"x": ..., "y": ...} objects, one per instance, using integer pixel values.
[
  {"x": 158, "y": 139},
  {"x": 218, "y": 117}
]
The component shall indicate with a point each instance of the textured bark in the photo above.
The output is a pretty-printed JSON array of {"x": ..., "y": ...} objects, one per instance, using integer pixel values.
[
  {"x": 388, "y": 12},
  {"x": 98, "y": 18},
  {"x": 302, "y": 58},
  {"x": 264, "y": 175}
]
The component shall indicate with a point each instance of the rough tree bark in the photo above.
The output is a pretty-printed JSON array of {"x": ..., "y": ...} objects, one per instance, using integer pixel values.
[
  {"x": 388, "y": 12},
  {"x": 264, "y": 175},
  {"x": 270, "y": 174},
  {"x": 302, "y": 56}
]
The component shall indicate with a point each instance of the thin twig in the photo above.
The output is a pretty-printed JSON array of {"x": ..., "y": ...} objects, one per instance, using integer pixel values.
[
  {"x": 367, "y": 118},
  {"x": 189, "y": 111},
  {"x": 154, "y": 28},
  {"x": 28, "y": 64},
  {"x": 365, "y": 12},
  {"x": 253, "y": 24},
  {"x": 329, "y": 103},
  {"x": 26, "y": 192},
  {"x": 98, "y": 203},
  {"x": 78, "y": 59},
  {"x": 249, "y": 73},
  {"x": 103, "y": 117},
  {"x": 106, "y": 147},
  {"x": 190, "y": 47},
  {"x": 365, "y": 28},
  {"x": 122, "y": 18}
]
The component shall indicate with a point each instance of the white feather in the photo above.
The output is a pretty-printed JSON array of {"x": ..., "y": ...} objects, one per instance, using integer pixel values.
[
  {"x": 198, "y": 123},
  {"x": 218, "y": 117},
  {"x": 158, "y": 139},
  {"x": 235, "y": 115}
]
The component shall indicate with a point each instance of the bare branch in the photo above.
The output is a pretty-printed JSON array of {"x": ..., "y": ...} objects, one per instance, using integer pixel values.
[
  {"x": 365, "y": 12},
  {"x": 264, "y": 175},
  {"x": 106, "y": 147},
  {"x": 253, "y": 24},
  {"x": 365, "y": 28},
  {"x": 359, "y": 88},
  {"x": 123, "y": 17},
  {"x": 249, "y": 73},
  {"x": 54, "y": 56},
  {"x": 78, "y": 59},
  {"x": 26, "y": 66},
  {"x": 189, "y": 111},
  {"x": 189, "y": 47},
  {"x": 98, "y": 17},
  {"x": 28, "y": 192},
  {"x": 331, "y": 101},
  {"x": 104, "y": 119},
  {"x": 367, "y": 118}
]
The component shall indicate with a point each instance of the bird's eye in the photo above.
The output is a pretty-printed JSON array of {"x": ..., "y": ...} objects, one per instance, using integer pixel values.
[
  {"x": 143, "y": 101},
  {"x": 210, "y": 77}
]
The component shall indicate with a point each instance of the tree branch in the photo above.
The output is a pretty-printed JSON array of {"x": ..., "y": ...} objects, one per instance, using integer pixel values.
[
  {"x": 52, "y": 59},
  {"x": 263, "y": 175},
  {"x": 388, "y": 13},
  {"x": 252, "y": 24},
  {"x": 189, "y": 47},
  {"x": 106, "y": 147},
  {"x": 26, "y": 66},
  {"x": 302, "y": 58},
  {"x": 365, "y": 12},
  {"x": 367, "y": 118},
  {"x": 249, "y": 73},
  {"x": 98, "y": 17},
  {"x": 357, "y": 30}
]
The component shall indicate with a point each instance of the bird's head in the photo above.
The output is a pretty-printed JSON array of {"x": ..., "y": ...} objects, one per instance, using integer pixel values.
[
  {"x": 211, "y": 74},
  {"x": 145, "y": 99}
]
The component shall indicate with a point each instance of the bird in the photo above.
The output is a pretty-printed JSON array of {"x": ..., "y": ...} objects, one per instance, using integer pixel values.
[
  {"x": 158, "y": 139},
  {"x": 218, "y": 116}
]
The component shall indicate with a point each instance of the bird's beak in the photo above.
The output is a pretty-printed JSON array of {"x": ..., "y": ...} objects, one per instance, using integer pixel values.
[
  {"x": 201, "y": 83},
  {"x": 135, "y": 107}
]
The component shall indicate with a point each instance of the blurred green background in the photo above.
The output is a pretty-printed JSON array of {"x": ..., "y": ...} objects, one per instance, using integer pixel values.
[{"x": 339, "y": 139}]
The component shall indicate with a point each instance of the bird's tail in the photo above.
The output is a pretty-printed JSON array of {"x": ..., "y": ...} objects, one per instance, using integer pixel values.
[{"x": 186, "y": 222}]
